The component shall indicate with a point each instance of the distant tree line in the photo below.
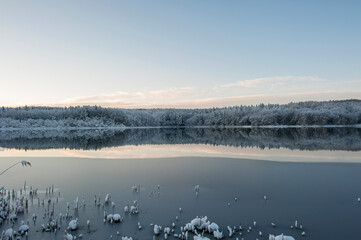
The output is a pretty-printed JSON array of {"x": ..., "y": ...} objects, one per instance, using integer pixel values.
[{"x": 347, "y": 112}]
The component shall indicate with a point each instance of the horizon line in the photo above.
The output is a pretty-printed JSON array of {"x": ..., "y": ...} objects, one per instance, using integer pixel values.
[{"x": 156, "y": 108}]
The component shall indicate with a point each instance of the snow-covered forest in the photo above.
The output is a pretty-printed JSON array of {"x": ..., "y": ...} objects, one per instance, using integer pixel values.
[{"x": 346, "y": 112}]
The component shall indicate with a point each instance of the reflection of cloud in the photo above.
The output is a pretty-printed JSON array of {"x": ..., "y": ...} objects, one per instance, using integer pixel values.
[
  {"x": 198, "y": 150},
  {"x": 272, "y": 80}
]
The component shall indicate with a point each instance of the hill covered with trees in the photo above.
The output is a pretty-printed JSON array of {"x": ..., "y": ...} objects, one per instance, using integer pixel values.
[{"x": 347, "y": 112}]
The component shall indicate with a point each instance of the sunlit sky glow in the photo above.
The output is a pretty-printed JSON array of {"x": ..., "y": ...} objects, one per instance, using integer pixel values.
[{"x": 178, "y": 53}]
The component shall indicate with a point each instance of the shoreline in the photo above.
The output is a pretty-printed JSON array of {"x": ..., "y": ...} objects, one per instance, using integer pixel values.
[
  {"x": 187, "y": 158},
  {"x": 179, "y": 127}
]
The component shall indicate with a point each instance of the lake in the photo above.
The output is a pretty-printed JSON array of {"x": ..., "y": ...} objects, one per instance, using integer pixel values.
[{"x": 245, "y": 175}]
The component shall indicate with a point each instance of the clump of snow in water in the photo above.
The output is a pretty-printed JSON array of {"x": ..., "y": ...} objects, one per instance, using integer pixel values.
[
  {"x": 110, "y": 218},
  {"x": 280, "y": 237},
  {"x": 23, "y": 229},
  {"x": 69, "y": 237},
  {"x": 166, "y": 230},
  {"x": 13, "y": 217},
  {"x": 134, "y": 210},
  {"x": 117, "y": 217},
  {"x": 157, "y": 229},
  {"x": 204, "y": 225},
  {"x": 199, "y": 237},
  {"x": 73, "y": 225},
  {"x": 197, "y": 223},
  {"x": 10, "y": 233},
  {"x": 217, "y": 234},
  {"x": 212, "y": 227},
  {"x": 127, "y": 238}
]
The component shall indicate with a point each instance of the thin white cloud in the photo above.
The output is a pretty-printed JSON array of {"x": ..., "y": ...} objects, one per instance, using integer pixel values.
[
  {"x": 283, "y": 89},
  {"x": 130, "y": 99},
  {"x": 281, "y": 80},
  {"x": 263, "y": 98},
  {"x": 229, "y": 101}
]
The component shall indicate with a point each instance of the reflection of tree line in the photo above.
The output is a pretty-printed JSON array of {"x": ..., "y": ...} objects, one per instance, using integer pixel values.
[{"x": 292, "y": 138}]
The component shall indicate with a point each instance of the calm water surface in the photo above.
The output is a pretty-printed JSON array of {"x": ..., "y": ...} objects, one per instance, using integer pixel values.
[{"x": 311, "y": 176}]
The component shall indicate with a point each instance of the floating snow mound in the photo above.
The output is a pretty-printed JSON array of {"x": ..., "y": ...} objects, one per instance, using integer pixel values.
[
  {"x": 199, "y": 237},
  {"x": 127, "y": 238},
  {"x": 167, "y": 230},
  {"x": 110, "y": 218},
  {"x": 157, "y": 229},
  {"x": 23, "y": 229},
  {"x": 9, "y": 233},
  {"x": 117, "y": 217},
  {"x": 68, "y": 237},
  {"x": 13, "y": 217},
  {"x": 134, "y": 210},
  {"x": 204, "y": 225},
  {"x": 197, "y": 223},
  {"x": 73, "y": 224},
  {"x": 212, "y": 227},
  {"x": 280, "y": 237},
  {"x": 218, "y": 235}
]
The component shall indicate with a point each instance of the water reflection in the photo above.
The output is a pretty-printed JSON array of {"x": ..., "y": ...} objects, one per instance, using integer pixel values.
[
  {"x": 294, "y": 190},
  {"x": 286, "y": 145},
  {"x": 347, "y": 139}
]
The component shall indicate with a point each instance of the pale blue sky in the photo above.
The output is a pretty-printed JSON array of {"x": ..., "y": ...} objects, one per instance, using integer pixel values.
[{"x": 178, "y": 53}]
